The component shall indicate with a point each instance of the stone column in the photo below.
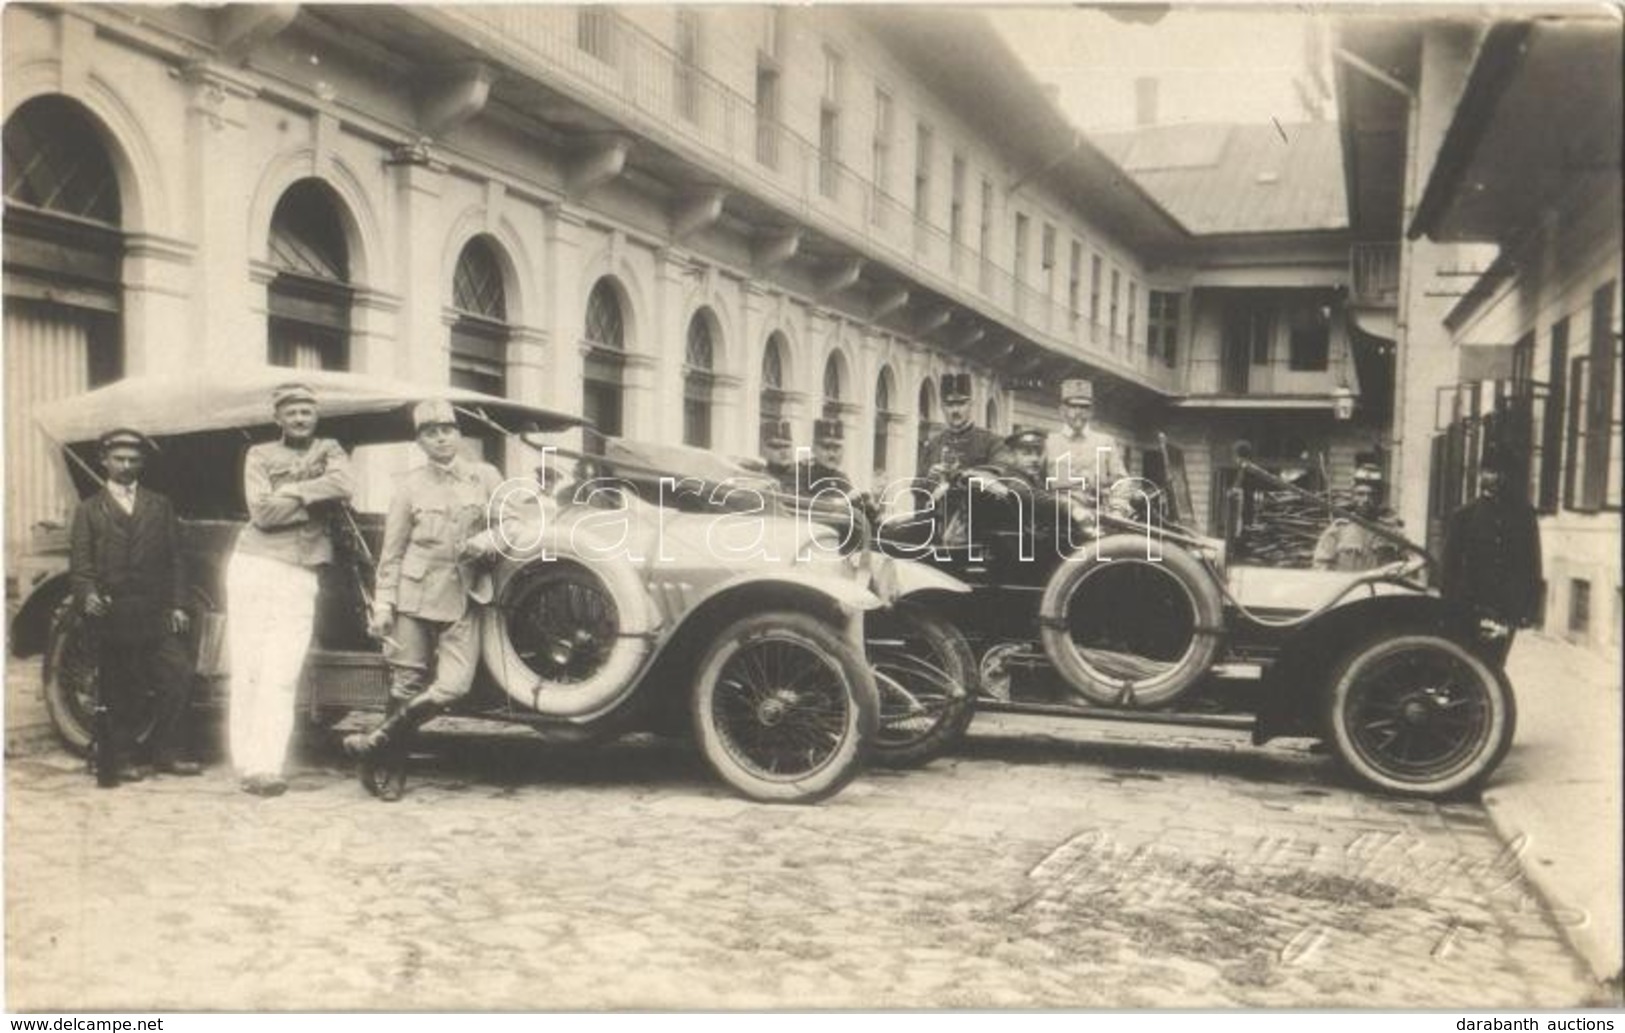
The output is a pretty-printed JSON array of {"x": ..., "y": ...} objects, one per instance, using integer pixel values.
[
  {"x": 421, "y": 347},
  {"x": 224, "y": 329}
]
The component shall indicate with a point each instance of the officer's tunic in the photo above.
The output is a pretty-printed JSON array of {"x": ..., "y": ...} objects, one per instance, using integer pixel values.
[
  {"x": 785, "y": 474},
  {"x": 424, "y": 571},
  {"x": 1347, "y": 546},
  {"x": 813, "y": 477},
  {"x": 1074, "y": 461},
  {"x": 968, "y": 446}
]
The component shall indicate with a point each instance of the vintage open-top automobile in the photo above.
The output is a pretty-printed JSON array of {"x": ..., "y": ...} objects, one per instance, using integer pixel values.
[
  {"x": 1141, "y": 623},
  {"x": 612, "y": 612}
]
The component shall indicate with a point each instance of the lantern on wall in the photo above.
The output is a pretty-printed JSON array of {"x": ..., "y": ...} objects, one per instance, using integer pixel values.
[{"x": 1343, "y": 402}]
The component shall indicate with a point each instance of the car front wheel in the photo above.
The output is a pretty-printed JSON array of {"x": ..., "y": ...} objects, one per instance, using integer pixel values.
[
  {"x": 927, "y": 679},
  {"x": 70, "y": 675},
  {"x": 784, "y": 709},
  {"x": 1420, "y": 715}
]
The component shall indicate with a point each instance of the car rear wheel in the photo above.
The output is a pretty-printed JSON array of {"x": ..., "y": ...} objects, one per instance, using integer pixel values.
[
  {"x": 784, "y": 709},
  {"x": 926, "y": 675},
  {"x": 1420, "y": 715},
  {"x": 70, "y": 675}
]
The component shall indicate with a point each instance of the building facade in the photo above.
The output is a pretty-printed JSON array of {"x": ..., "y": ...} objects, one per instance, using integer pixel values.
[
  {"x": 1489, "y": 152},
  {"x": 679, "y": 221}
]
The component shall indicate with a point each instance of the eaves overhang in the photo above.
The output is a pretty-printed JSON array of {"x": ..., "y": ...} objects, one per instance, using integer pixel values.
[{"x": 1539, "y": 115}]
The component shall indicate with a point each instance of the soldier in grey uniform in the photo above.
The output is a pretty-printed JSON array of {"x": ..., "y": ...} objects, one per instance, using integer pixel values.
[
  {"x": 961, "y": 444},
  {"x": 1347, "y": 546},
  {"x": 823, "y": 472},
  {"x": 1078, "y": 456},
  {"x": 778, "y": 453},
  {"x": 433, "y": 585}
]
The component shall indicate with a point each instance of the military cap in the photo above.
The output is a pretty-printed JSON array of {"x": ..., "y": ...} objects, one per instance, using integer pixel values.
[
  {"x": 124, "y": 437},
  {"x": 828, "y": 432},
  {"x": 1026, "y": 437},
  {"x": 433, "y": 413},
  {"x": 777, "y": 432},
  {"x": 282, "y": 394},
  {"x": 1077, "y": 389},
  {"x": 1367, "y": 473},
  {"x": 956, "y": 387}
]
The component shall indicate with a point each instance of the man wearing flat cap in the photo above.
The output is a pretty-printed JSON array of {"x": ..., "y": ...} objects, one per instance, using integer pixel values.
[
  {"x": 271, "y": 581},
  {"x": 1078, "y": 456},
  {"x": 961, "y": 444},
  {"x": 778, "y": 453},
  {"x": 124, "y": 567},
  {"x": 434, "y": 582}
]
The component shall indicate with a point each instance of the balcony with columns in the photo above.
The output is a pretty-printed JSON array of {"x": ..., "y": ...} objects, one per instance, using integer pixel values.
[{"x": 604, "y": 62}]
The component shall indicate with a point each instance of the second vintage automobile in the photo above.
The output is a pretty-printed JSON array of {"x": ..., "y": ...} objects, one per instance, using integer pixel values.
[
  {"x": 1124, "y": 621},
  {"x": 612, "y": 613}
]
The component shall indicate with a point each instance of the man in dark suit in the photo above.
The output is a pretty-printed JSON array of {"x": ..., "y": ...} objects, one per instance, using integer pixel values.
[
  {"x": 125, "y": 573},
  {"x": 1492, "y": 570}
]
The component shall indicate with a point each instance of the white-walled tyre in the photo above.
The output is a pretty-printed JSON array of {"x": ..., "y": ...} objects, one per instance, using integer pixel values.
[
  {"x": 784, "y": 709},
  {"x": 1420, "y": 715}
]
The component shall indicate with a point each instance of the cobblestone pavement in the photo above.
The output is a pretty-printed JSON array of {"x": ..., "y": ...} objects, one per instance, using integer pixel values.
[{"x": 1086, "y": 867}]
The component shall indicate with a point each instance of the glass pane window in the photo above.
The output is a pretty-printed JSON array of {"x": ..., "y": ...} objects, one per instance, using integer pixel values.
[
  {"x": 477, "y": 284},
  {"x": 605, "y": 325},
  {"x": 54, "y": 159}
]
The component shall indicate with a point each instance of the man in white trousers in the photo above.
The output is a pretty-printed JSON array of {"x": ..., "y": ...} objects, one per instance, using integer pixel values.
[{"x": 271, "y": 582}]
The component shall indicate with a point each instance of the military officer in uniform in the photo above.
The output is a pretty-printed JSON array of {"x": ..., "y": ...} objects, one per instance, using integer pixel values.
[
  {"x": 1077, "y": 455},
  {"x": 433, "y": 584},
  {"x": 961, "y": 444},
  {"x": 1347, "y": 546},
  {"x": 823, "y": 471},
  {"x": 778, "y": 454}
]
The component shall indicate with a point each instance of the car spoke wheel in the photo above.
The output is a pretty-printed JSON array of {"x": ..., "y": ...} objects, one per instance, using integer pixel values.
[
  {"x": 783, "y": 709},
  {"x": 1420, "y": 715},
  {"x": 563, "y": 624},
  {"x": 70, "y": 683},
  {"x": 927, "y": 680}
]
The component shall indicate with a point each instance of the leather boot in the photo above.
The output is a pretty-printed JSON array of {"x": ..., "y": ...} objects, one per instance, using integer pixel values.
[
  {"x": 383, "y": 766},
  {"x": 360, "y": 744}
]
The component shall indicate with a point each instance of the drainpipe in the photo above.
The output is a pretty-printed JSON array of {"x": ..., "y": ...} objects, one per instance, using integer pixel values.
[{"x": 1402, "y": 333}]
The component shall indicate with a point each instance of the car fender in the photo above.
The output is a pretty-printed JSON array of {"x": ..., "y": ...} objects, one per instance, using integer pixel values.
[
  {"x": 849, "y": 596},
  {"x": 31, "y": 627},
  {"x": 896, "y": 579}
]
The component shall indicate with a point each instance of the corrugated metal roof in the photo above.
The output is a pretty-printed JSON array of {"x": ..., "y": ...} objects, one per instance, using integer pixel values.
[{"x": 1218, "y": 178}]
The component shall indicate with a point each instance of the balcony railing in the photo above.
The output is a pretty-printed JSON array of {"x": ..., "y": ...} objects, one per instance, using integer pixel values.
[
  {"x": 1374, "y": 274},
  {"x": 603, "y": 59}
]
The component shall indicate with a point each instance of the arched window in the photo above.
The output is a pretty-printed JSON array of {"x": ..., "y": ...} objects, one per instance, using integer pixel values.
[
  {"x": 606, "y": 363},
  {"x": 884, "y": 417},
  {"x": 699, "y": 358},
  {"x": 310, "y": 297},
  {"x": 773, "y": 382},
  {"x": 479, "y": 337},
  {"x": 64, "y": 251},
  {"x": 834, "y": 386},
  {"x": 928, "y": 411},
  {"x": 992, "y": 414}
]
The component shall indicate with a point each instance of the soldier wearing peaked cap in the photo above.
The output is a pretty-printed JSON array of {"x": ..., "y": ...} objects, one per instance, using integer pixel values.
[
  {"x": 823, "y": 472},
  {"x": 124, "y": 568},
  {"x": 1345, "y": 545},
  {"x": 778, "y": 453},
  {"x": 961, "y": 444},
  {"x": 271, "y": 580},
  {"x": 1078, "y": 456},
  {"x": 433, "y": 585}
]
